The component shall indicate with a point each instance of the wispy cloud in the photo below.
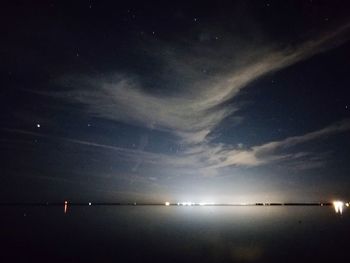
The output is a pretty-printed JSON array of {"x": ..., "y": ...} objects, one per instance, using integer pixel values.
[
  {"x": 198, "y": 108},
  {"x": 131, "y": 154},
  {"x": 274, "y": 151}
]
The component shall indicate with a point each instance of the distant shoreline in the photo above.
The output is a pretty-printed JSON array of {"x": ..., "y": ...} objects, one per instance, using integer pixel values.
[{"x": 157, "y": 204}]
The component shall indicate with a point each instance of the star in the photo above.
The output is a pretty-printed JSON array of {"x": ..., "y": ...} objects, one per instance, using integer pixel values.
[{"x": 38, "y": 125}]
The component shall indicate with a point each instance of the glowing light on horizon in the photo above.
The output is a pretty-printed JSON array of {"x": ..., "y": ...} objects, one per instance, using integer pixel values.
[
  {"x": 195, "y": 204},
  {"x": 187, "y": 203},
  {"x": 206, "y": 203},
  {"x": 338, "y": 206},
  {"x": 167, "y": 203}
]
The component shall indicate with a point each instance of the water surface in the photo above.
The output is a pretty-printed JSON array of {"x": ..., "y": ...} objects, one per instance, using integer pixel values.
[{"x": 174, "y": 234}]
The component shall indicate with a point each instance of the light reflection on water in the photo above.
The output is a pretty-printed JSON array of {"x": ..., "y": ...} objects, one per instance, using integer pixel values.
[
  {"x": 338, "y": 206},
  {"x": 186, "y": 234}
]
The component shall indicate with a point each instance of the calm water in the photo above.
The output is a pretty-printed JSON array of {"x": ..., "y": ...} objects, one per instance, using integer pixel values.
[{"x": 174, "y": 234}]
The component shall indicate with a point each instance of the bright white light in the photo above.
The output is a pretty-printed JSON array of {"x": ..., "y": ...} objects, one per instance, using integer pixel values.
[
  {"x": 167, "y": 203},
  {"x": 347, "y": 204},
  {"x": 89, "y": 203},
  {"x": 338, "y": 206},
  {"x": 38, "y": 125}
]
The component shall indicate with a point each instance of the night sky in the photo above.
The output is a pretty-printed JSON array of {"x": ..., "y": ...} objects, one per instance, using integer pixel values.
[{"x": 237, "y": 101}]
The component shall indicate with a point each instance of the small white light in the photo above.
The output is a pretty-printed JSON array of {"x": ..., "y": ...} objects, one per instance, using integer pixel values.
[
  {"x": 89, "y": 203},
  {"x": 167, "y": 203},
  {"x": 38, "y": 125},
  {"x": 347, "y": 204}
]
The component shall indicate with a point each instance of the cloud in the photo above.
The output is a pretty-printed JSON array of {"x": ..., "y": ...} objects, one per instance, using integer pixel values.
[
  {"x": 130, "y": 154},
  {"x": 207, "y": 158},
  {"x": 193, "y": 111},
  {"x": 274, "y": 151}
]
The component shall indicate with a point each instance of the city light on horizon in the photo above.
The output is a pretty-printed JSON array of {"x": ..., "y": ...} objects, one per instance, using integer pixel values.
[{"x": 338, "y": 205}]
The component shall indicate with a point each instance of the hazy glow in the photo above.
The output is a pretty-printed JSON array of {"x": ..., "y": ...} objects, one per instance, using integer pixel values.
[
  {"x": 338, "y": 206},
  {"x": 187, "y": 203},
  {"x": 167, "y": 203},
  {"x": 206, "y": 203},
  {"x": 192, "y": 203}
]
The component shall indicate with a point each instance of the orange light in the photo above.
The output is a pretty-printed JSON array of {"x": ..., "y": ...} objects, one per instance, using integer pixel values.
[{"x": 65, "y": 206}]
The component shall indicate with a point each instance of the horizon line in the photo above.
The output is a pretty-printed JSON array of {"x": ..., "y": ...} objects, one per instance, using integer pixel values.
[{"x": 165, "y": 204}]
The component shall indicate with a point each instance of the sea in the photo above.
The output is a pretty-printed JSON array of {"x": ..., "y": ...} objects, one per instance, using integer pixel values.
[{"x": 174, "y": 234}]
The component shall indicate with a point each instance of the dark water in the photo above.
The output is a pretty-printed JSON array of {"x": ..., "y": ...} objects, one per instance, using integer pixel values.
[{"x": 174, "y": 234}]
